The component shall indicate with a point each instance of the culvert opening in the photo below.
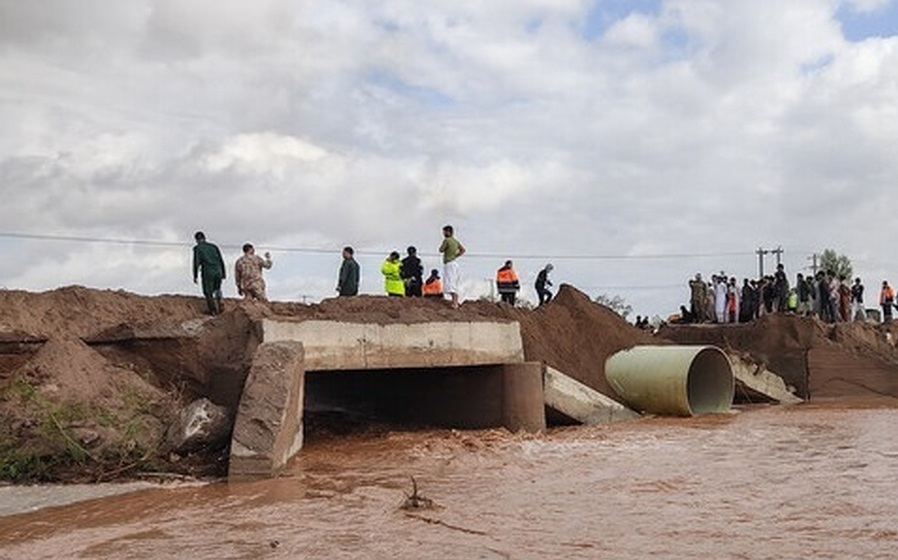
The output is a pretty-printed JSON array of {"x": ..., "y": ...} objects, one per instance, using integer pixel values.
[
  {"x": 710, "y": 383},
  {"x": 362, "y": 401}
]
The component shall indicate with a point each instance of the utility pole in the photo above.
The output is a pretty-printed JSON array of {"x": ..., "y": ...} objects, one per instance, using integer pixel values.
[
  {"x": 814, "y": 265},
  {"x": 761, "y": 252}
]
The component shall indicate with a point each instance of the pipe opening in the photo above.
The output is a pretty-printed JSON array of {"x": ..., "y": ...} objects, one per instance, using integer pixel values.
[
  {"x": 710, "y": 382},
  {"x": 677, "y": 380}
]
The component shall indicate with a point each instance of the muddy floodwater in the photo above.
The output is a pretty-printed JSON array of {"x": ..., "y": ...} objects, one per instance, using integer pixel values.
[{"x": 769, "y": 482}]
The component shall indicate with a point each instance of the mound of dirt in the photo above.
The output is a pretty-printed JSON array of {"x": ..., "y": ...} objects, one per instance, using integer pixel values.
[
  {"x": 575, "y": 335},
  {"x": 79, "y": 312},
  {"x": 68, "y": 410}
]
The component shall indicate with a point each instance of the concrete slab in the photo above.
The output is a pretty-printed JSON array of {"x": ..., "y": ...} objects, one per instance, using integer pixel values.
[
  {"x": 339, "y": 345},
  {"x": 580, "y": 402},
  {"x": 761, "y": 380},
  {"x": 268, "y": 427},
  {"x": 157, "y": 330}
]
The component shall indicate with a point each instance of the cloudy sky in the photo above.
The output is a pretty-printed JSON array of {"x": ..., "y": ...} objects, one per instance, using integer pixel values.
[{"x": 630, "y": 143}]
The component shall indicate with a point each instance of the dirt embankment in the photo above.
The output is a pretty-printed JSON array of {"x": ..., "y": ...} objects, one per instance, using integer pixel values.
[
  {"x": 822, "y": 361},
  {"x": 67, "y": 409},
  {"x": 90, "y": 379}
]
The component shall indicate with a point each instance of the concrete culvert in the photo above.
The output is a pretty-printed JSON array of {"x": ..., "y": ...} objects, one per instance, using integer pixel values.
[{"x": 673, "y": 380}]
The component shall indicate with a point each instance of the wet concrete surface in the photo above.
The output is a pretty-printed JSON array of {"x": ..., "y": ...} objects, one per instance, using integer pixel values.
[{"x": 767, "y": 482}]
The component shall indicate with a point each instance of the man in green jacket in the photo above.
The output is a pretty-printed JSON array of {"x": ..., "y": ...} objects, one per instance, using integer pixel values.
[
  {"x": 207, "y": 258},
  {"x": 348, "y": 281}
]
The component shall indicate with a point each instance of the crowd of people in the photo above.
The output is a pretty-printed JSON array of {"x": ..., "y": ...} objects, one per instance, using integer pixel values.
[
  {"x": 826, "y": 295},
  {"x": 403, "y": 277}
]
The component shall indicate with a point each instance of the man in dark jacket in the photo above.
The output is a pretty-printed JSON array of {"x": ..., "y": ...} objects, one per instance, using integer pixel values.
[
  {"x": 207, "y": 259},
  {"x": 542, "y": 280},
  {"x": 747, "y": 302},
  {"x": 348, "y": 281},
  {"x": 857, "y": 301},
  {"x": 827, "y": 309},
  {"x": 412, "y": 273},
  {"x": 780, "y": 288}
]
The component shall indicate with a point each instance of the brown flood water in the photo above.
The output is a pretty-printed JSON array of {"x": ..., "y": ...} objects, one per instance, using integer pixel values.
[{"x": 800, "y": 482}]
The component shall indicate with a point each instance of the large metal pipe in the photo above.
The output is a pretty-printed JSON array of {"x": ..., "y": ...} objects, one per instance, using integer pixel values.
[{"x": 672, "y": 380}]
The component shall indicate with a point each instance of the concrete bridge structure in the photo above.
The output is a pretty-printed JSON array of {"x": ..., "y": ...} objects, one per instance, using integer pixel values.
[{"x": 466, "y": 375}]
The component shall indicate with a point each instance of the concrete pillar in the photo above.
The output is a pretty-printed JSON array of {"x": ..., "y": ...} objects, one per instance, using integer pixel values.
[
  {"x": 523, "y": 400},
  {"x": 268, "y": 425}
]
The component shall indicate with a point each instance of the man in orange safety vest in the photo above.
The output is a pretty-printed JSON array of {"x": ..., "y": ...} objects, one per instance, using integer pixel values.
[{"x": 507, "y": 283}]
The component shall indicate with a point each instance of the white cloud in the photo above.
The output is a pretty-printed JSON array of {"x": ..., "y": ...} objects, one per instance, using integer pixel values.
[
  {"x": 636, "y": 31},
  {"x": 711, "y": 127},
  {"x": 263, "y": 153}
]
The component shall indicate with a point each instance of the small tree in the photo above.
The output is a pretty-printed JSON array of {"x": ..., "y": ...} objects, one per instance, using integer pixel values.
[
  {"x": 839, "y": 264},
  {"x": 615, "y": 303}
]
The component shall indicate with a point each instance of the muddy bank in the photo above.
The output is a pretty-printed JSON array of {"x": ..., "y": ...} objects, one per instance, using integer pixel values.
[
  {"x": 821, "y": 361},
  {"x": 90, "y": 380}
]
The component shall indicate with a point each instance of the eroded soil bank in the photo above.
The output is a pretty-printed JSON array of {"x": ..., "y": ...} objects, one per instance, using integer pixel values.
[{"x": 820, "y": 360}]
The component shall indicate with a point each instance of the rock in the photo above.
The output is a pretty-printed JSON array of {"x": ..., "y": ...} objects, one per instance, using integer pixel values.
[
  {"x": 200, "y": 425},
  {"x": 86, "y": 436}
]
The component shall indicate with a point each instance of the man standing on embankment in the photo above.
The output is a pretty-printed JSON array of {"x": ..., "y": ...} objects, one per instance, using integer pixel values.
[
  {"x": 248, "y": 274},
  {"x": 207, "y": 259},
  {"x": 451, "y": 249}
]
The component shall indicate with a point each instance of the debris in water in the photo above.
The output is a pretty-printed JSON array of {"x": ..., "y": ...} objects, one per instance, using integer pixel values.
[{"x": 415, "y": 501}]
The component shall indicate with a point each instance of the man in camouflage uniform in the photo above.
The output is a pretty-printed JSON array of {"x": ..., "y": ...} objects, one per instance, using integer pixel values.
[
  {"x": 207, "y": 258},
  {"x": 248, "y": 274},
  {"x": 698, "y": 298}
]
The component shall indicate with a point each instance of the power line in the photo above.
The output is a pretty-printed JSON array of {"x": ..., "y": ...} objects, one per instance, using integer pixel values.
[
  {"x": 635, "y": 288},
  {"x": 336, "y": 250},
  {"x": 614, "y": 257},
  {"x": 85, "y": 239}
]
